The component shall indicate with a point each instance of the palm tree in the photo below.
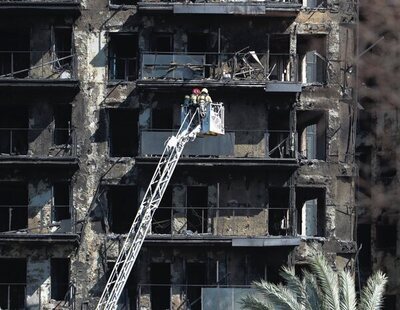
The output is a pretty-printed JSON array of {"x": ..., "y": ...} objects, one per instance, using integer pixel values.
[{"x": 321, "y": 289}]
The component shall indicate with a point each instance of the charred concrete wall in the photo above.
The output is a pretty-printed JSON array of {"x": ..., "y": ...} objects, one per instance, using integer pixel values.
[{"x": 273, "y": 193}]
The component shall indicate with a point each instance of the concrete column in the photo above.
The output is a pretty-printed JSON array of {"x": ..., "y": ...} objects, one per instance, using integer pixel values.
[{"x": 38, "y": 286}]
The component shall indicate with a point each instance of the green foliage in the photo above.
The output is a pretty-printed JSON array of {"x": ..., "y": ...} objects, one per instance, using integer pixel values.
[{"x": 321, "y": 289}]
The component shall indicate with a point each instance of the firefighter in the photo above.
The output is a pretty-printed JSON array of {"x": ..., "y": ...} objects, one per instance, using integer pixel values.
[
  {"x": 204, "y": 100},
  {"x": 194, "y": 96}
]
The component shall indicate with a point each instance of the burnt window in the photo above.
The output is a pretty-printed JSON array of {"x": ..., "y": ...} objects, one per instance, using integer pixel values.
[
  {"x": 198, "y": 42},
  {"x": 123, "y": 139},
  {"x": 162, "y": 42},
  {"x": 12, "y": 283},
  {"x": 279, "y": 59},
  {"x": 278, "y": 211},
  {"x": 386, "y": 237},
  {"x": 14, "y": 130},
  {"x": 311, "y": 128},
  {"x": 59, "y": 278},
  {"x": 161, "y": 222},
  {"x": 278, "y": 137},
  {"x": 196, "y": 214},
  {"x": 196, "y": 276},
  {"x": 160, "y": 276},
  {"x": 13, "y": 206},
  {"x": 15, "y": 53},
  {"x": 310, "y": 205},
  {"x": 61, "y": 208},
  {"x": 123, "y": 49},
  {"x": 62, "y": 125},
  {"x": 162, "y": 117},
  {"x": 63, "y": 48},
  {"x": 122, "y": 207},
  {"x": 312, "y": 58}
]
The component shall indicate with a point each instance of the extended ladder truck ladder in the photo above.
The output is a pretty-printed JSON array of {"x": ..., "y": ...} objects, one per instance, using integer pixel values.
[{"x": 191, "y": 126}]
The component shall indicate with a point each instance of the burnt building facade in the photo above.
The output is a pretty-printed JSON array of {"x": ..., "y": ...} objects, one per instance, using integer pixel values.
[{"x": 90, "y": 91}]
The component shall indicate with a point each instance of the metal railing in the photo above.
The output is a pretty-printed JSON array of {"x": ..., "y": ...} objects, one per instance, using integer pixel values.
[
  {"x": 122, "y": 69},
  {"x": 42, "y": 142},
  {"x": 14, "y": 218},
  {"x": 241, "y": 66},
  {"x": 222, "y": 221},
  {"x": 12, "y": 296},
  {"x": 269, "y": 144},
  {"x": 37, "y": 65}
]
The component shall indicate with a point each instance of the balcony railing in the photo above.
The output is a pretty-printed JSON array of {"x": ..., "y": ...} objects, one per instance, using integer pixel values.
[
  {"x": 37, "y": 142},
  {"x": 12, "y": 296},
  {"x": 223, "y": 221},
  {"x": 223, "y": 67},
  {"x": 122, "y": 69},
  {"x": 186, "y": 297},
  {"x": 15, "y": 218},
  {"x": 272, "y": 144},
  {"x": 37, "y": 65}
]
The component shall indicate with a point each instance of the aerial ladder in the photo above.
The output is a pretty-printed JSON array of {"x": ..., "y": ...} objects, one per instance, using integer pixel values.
[{"x": 193, "y": 123}]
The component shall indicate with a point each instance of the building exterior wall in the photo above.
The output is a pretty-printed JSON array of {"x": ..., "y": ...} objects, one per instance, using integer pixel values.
[{"x": 255, "y": 194}]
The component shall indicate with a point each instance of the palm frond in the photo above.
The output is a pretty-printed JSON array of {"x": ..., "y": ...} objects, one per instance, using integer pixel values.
[
  {"x": 372, "y": 293},
  {"x": 312, "y": 290},
  {"x": 348, "y": 300},
  {"x": 327, "y": 280},
  {"x": 295, "y": 285},
  {"x": 251, "y": 302},
  {"x": 278, "y": 296}
]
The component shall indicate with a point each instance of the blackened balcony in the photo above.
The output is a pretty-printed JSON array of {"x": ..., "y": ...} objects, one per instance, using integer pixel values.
[
  {"x": 238, "y": 145},
  {"x": 38, "y": 145},
  {"x": 223, "y": 221},
  {"x": 37, "y": 223},
  {"x": 281, "y": 8},
  {"x": 274, "y": 72},
  {"x": 41, "y": 68}
]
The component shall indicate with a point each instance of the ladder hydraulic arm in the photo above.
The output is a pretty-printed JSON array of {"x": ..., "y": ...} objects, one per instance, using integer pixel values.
[{"x": 191, "y": 126}]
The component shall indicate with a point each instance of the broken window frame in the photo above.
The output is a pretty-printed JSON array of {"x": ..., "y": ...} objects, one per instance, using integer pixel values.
[
  {"x": 63, "y": 60},
  {"x": 65, "y": 207},
  {"x": 313, "y": 65},
  {"x": 313, "y": 142},
  {"x": 129, "y": 220},
  {"x": 55, "y": 283},
  {"x": 194, "y": 211},
  {"x": 16, "y": 287},
  {"x": 130, "y": 70},
  {"x": 11, "y": 225},
  {"x": 318, "y": 210},
  {"x": 112, "y": 135}
]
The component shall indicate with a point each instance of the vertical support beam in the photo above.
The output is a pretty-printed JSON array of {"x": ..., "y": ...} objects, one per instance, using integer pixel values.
[
  {"x": 292, "y": 206},
  {"x": 293, "y": 55}
]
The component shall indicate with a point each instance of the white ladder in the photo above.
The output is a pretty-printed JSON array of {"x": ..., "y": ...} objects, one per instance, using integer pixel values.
[{"x": 126, "y": 259}]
